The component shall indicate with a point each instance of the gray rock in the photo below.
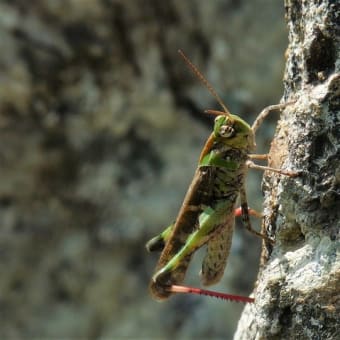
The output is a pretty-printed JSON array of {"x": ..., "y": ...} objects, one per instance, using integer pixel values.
[{"x": 297, "y": 293}]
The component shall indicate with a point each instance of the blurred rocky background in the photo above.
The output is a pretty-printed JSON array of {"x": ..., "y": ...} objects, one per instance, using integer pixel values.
[{"x": 101, "y": 128}]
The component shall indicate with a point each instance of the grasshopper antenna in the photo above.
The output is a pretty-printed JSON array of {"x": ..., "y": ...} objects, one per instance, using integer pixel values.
[{"x": 205, "y": 82}]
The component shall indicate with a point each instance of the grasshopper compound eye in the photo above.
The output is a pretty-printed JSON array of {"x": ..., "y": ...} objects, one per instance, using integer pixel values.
[
  {"x": 226, "y": 131},
  {"x": 223, "y": 127}
]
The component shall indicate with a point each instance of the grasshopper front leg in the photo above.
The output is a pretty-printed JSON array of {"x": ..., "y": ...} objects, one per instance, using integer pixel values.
[
  {"x": 288, "y": 173},
  {"x": 264, "y": 113}
]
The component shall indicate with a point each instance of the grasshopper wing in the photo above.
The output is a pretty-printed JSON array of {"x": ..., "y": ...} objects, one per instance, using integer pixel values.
[{"x": 218, "y": 249}]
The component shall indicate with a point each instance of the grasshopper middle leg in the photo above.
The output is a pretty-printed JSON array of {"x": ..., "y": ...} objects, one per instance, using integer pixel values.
[
  {"x": 289, "y": 173},
  {"x": 245, "y": 216}
]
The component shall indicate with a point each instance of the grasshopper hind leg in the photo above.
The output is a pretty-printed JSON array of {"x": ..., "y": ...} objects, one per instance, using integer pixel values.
[
  {"x": 211, "y": 221},
  {"x": 160, "y": 285}
]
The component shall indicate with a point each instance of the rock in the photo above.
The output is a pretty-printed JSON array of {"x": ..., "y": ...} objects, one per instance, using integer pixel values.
[{"x": 297, "y": 293}]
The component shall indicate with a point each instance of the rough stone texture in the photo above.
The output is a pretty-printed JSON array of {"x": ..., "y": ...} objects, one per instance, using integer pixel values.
[
  {"x": 297, "y": 293},
  {"x": 101, "y": 127}
]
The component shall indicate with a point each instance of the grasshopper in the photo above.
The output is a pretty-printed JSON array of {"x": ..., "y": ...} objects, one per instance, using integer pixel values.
[{"x": 207, "y": 215}]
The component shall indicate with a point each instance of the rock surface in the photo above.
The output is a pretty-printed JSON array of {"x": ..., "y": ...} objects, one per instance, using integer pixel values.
[{"x": 297, "y": 294}]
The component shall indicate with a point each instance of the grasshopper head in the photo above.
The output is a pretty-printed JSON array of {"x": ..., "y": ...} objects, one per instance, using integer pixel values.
[
  {"x": 229, "y": 129},
  {"x": 233, "y": 130}
]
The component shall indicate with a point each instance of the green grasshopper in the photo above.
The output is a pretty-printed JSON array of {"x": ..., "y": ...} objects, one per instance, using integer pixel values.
[{"x": 207, "y": 213}]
